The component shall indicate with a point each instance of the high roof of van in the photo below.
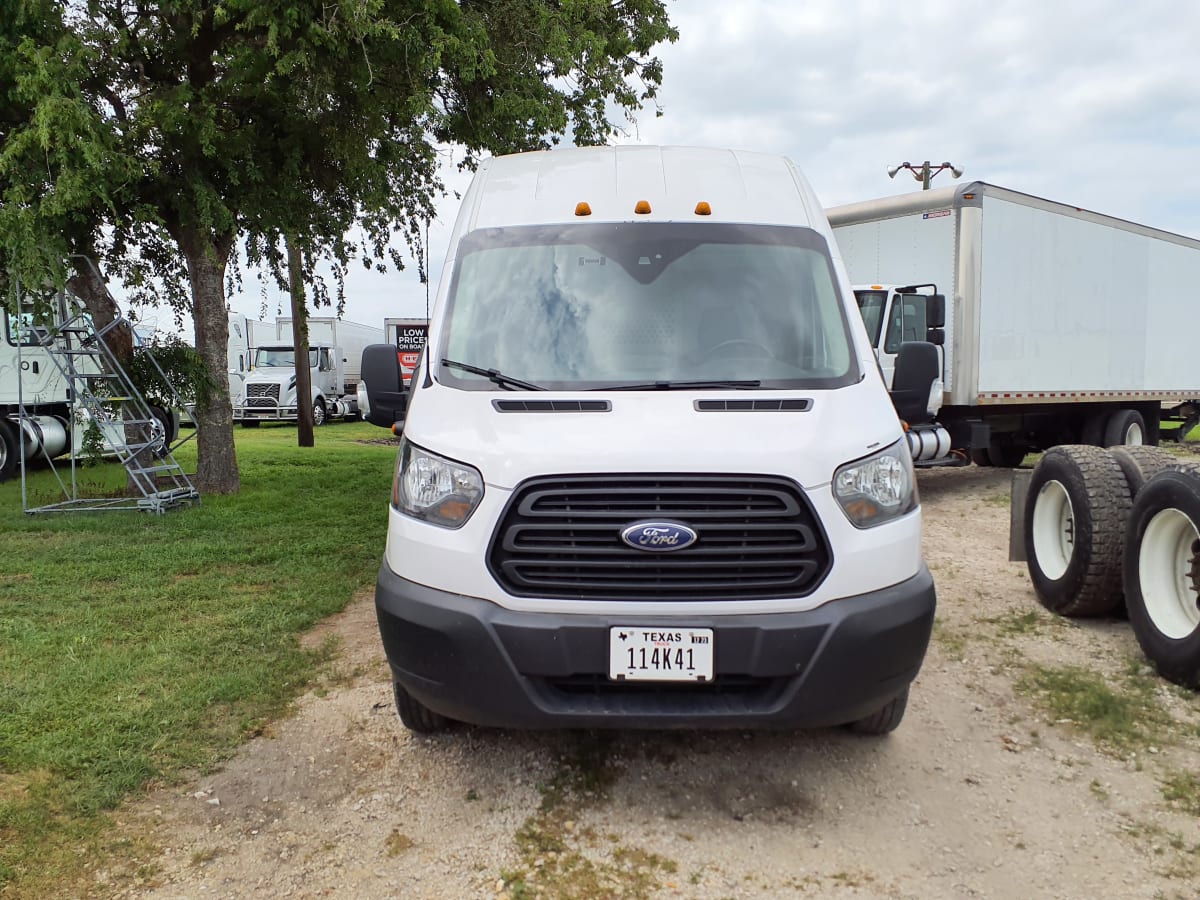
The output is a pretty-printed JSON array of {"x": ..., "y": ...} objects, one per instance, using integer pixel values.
[{"x": 547, "y": 187}]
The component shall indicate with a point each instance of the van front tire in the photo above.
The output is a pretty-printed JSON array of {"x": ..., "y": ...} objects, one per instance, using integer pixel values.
[
  {"x": 415, "y": 716},
  {"x": 884, "y": 720}
]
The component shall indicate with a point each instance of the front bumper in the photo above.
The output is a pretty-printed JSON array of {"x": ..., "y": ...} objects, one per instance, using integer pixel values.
[{"x": 477, "y": 662}]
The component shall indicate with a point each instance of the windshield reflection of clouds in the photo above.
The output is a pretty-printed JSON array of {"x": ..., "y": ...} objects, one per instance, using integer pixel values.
[{"x": 569, "y": 314}]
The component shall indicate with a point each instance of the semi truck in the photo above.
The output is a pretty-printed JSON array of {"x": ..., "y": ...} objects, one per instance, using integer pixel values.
[
  {"x": 333, "y": 358},
  {"x": 1054, "y": 324},
  {"x": 43, "y": 413}
]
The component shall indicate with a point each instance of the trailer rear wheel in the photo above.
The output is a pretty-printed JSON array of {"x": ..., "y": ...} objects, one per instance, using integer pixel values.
[
  {"x": 1162, "y": 573},
  {"x": 885, "y": 720},
  {"x": 1094, "y": 425},
  {"x": 1006, "y": 454},
  {"x": 1125, "y": 428},
  {"x": 1140, "y": 464},
  {"x": 1075, "y": 516},
  {"x": 10, "y": 453}
]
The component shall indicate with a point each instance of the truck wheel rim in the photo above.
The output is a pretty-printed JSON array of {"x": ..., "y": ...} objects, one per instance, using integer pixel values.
[
  {"x": 1166, "y": 568},
  {"x": 1053, "y": 530},
  {"x": 1134, "y": 436}
]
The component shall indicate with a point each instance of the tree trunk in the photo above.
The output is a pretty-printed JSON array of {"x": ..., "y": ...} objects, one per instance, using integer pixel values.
[
  {"x": 216, "y": 468},
  {"x": 304, "y": 406},
  {"x": 88, "y": 285}
]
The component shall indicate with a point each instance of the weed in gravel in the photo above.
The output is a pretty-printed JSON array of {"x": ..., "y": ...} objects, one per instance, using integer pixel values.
[
  {"x": 1120, "y": 714},
  {"x": 1017, "y": 624},
  {"x": 397, "y": 842},
  {"x": 1182, "y": 790},
  {"x": 559, "y": 859},
  {"x": 954, "y": 642}
]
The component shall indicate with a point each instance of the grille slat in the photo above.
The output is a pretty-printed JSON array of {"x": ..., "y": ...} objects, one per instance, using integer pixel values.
[{"x": 757, "y": 538}]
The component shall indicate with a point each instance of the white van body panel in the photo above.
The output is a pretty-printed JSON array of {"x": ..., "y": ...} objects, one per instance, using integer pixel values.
[{"x": 533, "y": 644}]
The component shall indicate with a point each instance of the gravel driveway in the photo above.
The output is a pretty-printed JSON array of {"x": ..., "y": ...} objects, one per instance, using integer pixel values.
[{"x": 988, "y": 788}]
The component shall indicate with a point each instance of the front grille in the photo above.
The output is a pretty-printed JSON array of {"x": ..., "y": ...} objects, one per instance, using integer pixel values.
[
  {"x": 560, "y": 537},
  {"x": 262, "y": 395}
]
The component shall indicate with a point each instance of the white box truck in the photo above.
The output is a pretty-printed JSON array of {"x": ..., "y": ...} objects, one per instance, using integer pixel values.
[
  {"x": 649, "y": 476},
  {"x": 334, "y": 357},
  {"x": 1058, "y": 325}
]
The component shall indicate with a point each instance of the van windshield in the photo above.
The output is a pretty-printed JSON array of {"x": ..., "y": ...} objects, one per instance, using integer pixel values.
[{"x": 584, "y": 306}]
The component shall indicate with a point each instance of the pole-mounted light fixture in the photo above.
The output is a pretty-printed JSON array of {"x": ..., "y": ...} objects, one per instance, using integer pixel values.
[{"x": 925, "y": 171}]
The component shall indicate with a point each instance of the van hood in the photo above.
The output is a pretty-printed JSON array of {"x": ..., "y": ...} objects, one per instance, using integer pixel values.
[{"x": 653, "y": 431}]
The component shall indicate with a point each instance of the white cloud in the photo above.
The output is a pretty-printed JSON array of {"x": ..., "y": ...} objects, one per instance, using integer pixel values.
[{"x": 1093, "y": 104}]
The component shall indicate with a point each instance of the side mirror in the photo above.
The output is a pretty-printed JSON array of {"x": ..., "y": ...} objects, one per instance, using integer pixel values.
[
  {"x": 936, "y": 336},
  {"x": 935, "y": 312},
  {"x": 387, "y": 398}
]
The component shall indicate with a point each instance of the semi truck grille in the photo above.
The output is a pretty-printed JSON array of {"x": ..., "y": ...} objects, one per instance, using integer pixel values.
[
  {"x": 757, "y": 538},
  {"x": 262, "y": 395}
]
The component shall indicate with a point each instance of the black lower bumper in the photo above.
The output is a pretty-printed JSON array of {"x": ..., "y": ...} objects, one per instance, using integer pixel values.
[{"x": 477, "y": 662}]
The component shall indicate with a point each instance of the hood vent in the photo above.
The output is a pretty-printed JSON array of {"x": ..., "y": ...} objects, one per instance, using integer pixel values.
[
  {"x": 552, "y": 406},
  {"x": 790, "y": 404}
]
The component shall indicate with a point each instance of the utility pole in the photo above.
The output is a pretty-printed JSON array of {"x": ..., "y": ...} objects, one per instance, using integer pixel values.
[{"x": 925, "y": 171}]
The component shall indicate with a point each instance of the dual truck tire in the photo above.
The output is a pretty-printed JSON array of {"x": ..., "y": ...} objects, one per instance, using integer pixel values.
[{"x": 1112, "y": 528}]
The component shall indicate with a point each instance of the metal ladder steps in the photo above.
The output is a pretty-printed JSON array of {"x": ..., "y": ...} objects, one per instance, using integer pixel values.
[{"x": 173, "y": 467}]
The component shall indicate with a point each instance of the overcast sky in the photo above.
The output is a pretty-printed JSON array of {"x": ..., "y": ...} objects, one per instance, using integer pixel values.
[{"x": 1094, "y": 104}]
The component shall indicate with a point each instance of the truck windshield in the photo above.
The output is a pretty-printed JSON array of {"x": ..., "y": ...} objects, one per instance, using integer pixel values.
[
  {"x": 584, "y": 306},
  {"x": 871, "y": 304},
  {"x": 280, "y": 358}
]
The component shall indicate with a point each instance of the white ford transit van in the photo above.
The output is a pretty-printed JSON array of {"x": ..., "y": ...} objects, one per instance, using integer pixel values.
[{"x": 650, "y": 476}]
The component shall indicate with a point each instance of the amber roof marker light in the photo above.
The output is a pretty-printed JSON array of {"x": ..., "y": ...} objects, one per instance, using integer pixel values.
[
  {"x": 642, "y": 208},
  {"x": 582, "y": 208},
  {"x": 703, "y": 209}
]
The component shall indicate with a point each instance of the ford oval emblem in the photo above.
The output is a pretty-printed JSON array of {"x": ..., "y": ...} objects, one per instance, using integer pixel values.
[{"x": 658, "y": 537}]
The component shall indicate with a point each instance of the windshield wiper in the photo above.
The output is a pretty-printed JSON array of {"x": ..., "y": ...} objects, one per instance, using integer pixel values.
[
  {"x": 493, "y": 375},
  {"x": 681, "y": 385}
]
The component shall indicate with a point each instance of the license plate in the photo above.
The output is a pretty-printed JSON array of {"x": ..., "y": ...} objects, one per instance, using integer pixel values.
[{"x": 660, "y": 654}]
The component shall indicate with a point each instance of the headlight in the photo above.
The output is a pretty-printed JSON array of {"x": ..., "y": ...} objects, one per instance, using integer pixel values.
[
  {"x": 877, "y": 489},
  {"x": 435, "y": 489}
]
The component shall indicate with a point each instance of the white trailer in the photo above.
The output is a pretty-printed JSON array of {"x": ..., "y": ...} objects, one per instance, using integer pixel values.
[
  {"x": 408, "y": 337},
  {"x": 1061, "y": 325},
  {"x": 334, "y": 360}
]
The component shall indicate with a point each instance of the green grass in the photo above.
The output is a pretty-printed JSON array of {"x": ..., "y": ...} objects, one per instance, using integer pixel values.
[
  {"x": 134, "y": 647},
  {"x": 1120, "y": 714}
]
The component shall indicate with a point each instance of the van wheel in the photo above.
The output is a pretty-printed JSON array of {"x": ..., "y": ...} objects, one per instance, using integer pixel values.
[
  {"x": 416, "y": 716},
  {"x": 1162, "y": 573},
  {"x": 1125, "y": 428},
  {"x": 10, "y": 453},
  {"x": 885, "y": 719},
  {"x": 1075, "y": 516},
  {"x": 1140, "y": 464}
]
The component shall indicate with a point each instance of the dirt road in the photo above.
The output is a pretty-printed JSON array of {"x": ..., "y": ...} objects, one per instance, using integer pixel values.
[{"x": 1001, "y": 781}]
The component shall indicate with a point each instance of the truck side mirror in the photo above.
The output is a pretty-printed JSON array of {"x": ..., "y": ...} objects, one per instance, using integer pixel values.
[
  {"x": 387, "y": 398},
  {"x": 935, "y": 312},
  {"x": 936, "y": 336}
]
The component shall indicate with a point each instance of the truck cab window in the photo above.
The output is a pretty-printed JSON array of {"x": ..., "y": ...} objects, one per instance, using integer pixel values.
[{"x": 906, "y": 323}]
